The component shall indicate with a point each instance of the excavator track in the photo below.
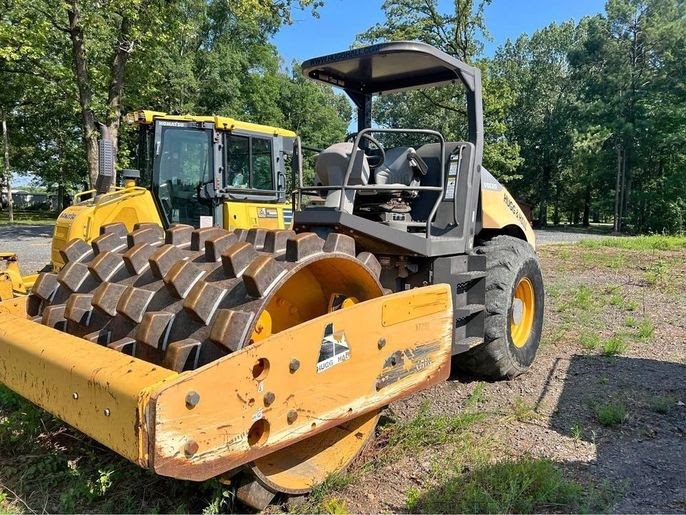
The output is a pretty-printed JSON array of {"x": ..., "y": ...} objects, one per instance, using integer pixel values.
[{"x": 184, "y": 297}]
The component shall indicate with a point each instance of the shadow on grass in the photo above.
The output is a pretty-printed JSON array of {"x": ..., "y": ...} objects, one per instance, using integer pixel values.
[
  {"x": 45, "y": 466},
  {"x": 639, "y": 456}
]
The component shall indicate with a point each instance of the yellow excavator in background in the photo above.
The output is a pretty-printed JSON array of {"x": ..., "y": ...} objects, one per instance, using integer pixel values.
[
  {"x": 203, "y": 171},
  {"x": 266, "y": 355}
]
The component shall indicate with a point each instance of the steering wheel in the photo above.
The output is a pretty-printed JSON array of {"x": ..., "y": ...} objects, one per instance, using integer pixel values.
[{"x": 374, "y": 160}]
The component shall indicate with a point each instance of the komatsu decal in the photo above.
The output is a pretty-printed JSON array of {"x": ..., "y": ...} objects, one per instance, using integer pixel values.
[
  {"x": 334, "y": 349},
  {"x": 173, "y": 124}
]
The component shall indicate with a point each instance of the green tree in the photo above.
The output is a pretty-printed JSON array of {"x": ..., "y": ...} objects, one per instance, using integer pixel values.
[
  {"x": 89, "y": 46},
  {"x": 630, "y": 68},
  {"x": 542, "y": 112}
]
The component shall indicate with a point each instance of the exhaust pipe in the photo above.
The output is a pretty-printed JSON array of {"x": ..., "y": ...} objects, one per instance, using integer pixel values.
[{"x": 105, "y": 161}]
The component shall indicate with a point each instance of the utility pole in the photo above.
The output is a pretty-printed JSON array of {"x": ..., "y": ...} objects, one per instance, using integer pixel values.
[{"x": 6, "y": 168}]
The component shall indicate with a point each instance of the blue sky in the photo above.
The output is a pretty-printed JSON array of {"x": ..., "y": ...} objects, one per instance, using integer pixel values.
[{"x": 341, "y": 20}]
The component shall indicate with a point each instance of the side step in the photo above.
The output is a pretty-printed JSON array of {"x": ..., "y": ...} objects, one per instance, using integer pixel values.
[
  {"x": 466, "y": 343},
  {"x": 467, "y": 278}
]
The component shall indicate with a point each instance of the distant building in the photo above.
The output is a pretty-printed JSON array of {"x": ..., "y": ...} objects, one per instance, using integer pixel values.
[{"x": 30, "y": 200}]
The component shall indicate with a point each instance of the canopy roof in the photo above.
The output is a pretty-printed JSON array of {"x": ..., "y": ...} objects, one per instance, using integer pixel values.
[{"x": 388, "y": 67}]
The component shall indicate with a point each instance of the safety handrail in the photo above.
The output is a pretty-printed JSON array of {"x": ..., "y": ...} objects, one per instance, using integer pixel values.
[
  {"x": 247, "y": 191},
  {"x": 77, "y": 196},
  {"x": 116, "y": 193},
  {"x": 380, "y": 187}
]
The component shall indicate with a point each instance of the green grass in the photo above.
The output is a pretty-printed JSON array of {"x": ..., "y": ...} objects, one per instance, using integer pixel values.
[
  {"x": 522, "y": 411},
  {"x": 630, "y": 305},
  {"x": 413, "y": 498},
  {"x": 662, "y": 404},
  {"x": 583, "y": 298},
  {"x": 477, "y": 396},
  {"x": 576, "y": 431},
  {"x": 523, "y": 486},
  {"x": 580, "y": 299},
  {"x": 554, "y": 291},
  {"x": 615, "y": 345},
  {"x": 29, "y": 217},
  {"x": 658, "y": 273},
  {"x": 610, "y": 414},
  {"x": 646, "y": 329},
  {"x": 426, "y": 430},
  {"x": 589, "y": 341},
  {"x": 56, "y": 469},
  {"x": 554, "y": 335},
  {"x": 334, "y": 506},
  {"x": 322, "y": 498},
  {"x": 619, "y": 300},
  {"x": 654, "y": 242},
  {"x": 591, "y": 258},
  {"x": 630, "y": 322}
]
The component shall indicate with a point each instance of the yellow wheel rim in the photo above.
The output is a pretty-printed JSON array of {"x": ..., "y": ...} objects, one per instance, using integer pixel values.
[{"x": 522, "y": 318}]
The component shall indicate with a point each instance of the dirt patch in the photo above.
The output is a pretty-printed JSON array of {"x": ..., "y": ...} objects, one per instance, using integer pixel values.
[{"x": 554, "y": 411}]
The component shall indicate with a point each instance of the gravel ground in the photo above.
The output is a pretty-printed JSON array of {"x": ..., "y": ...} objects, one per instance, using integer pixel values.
[
  {"x": 555, "y": 236},
  {"x": 602, "y": 292},
  {"x": 32, "y": 242}
]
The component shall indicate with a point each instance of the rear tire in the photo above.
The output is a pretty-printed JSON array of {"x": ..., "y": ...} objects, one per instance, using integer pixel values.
[{"x": 514, "y": 310}]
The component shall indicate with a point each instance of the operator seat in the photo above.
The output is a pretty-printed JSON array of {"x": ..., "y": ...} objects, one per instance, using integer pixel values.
[
  {"x": 330, "y": 168},
  {"x": 401, "y": 171},
  {"x": 402, "y": 166}
]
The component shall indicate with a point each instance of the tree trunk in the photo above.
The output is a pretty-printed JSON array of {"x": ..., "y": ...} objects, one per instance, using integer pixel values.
[
  {"x": 587, "y": 206},
  {"x": 618, "y": 192},
  {"x": 60, "y": 197},
  {"x": 88, "y": 121},
  {"x": 556, "y": 209},
  {"x": 626, "y": 189},
  {"x": 116, "y": 90},
  {"x": 6, "y": 167},
  {"x": 543, "y": 213}
]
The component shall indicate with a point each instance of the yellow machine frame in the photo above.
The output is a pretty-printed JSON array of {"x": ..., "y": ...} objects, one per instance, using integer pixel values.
[{"x": 158, "y": 418}]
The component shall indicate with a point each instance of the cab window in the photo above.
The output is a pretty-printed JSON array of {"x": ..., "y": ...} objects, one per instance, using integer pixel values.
[
  {"x": 249, "y": 163},
  {"x": 238, "y": 162},
  {"x": 185, "y": 166},
  {"x": 262, "y": 176}
]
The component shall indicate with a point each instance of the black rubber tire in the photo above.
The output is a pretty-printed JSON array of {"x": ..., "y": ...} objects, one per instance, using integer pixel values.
[{"x": 508, "y": 259}]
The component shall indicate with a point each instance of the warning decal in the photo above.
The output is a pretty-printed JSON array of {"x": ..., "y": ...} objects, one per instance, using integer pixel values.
[{"x": 334, "y": 349}]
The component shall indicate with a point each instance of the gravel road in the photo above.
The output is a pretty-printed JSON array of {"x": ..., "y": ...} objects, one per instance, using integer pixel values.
[
  {"x": 555, "y": 236},
  {"x": 32, "y": 242}
]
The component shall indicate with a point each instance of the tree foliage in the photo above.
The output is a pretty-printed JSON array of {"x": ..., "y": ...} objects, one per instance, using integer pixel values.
[
  {"x": 78, "y": 64},
  {"x": 586, "y": 121}
]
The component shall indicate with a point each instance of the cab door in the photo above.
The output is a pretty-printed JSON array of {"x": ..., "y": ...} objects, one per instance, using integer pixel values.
[{"x": 183, "y": 173}]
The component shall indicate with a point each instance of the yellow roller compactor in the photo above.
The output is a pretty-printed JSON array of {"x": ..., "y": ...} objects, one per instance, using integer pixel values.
[
  {"x": 265, "y": 355},
  {"x": 199, "y": 170},
  {"x": 202, "y": 171}
]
